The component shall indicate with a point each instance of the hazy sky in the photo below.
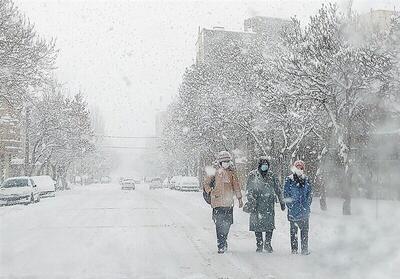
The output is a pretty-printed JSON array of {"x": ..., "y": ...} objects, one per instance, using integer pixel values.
[{"x": 128, "y": 57}]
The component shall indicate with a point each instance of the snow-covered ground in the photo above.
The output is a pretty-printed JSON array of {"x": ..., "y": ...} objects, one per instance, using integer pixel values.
[{"x": 99, "y": 231}]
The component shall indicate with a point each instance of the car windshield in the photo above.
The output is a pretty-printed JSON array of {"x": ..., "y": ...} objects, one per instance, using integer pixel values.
[
  {"x": 20, "y": 182},
  {"x": 128, "y": 181}
]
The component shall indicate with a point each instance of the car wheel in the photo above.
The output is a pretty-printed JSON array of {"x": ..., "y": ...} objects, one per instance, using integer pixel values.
[
  {"x": 38, "y": 198},
  {"x": 32, "y": 198}
]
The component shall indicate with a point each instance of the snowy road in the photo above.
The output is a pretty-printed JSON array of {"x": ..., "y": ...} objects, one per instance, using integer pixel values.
[{"x": 103, "y": 232}]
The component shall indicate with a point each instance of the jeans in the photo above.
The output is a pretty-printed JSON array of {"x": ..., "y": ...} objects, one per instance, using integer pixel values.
[
  {"x": 222, "y": 229},
  {"x": 223, "y": 219},
  {"x": 303, "y": 225}
]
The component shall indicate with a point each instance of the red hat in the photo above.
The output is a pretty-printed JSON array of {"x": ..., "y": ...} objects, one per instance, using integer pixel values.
[{"x": 299, "y": 164}]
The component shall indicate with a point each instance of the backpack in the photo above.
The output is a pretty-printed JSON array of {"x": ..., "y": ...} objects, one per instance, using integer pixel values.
[{"x": 207, "y": 196}]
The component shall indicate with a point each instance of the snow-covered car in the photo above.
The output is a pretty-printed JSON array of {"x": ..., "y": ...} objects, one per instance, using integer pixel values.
[
  {"x": 105, "y": 180},
  {"x": 174, "y": 180},
  {"x": 46, "y": 185},
  {"x": 128, "y": 184},
  {"x": 165, "y": 183},
  {"x": 156, "y": 183},
  {"x": 19, "y": 190},
  {"x": 188, "y": 183},
  {"x": 137, "y": 180}
]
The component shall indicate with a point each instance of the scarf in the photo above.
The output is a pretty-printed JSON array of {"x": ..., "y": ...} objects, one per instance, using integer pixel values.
[{"x": 299, "y": 180}]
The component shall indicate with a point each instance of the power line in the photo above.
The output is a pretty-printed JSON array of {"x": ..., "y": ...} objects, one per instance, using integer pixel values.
[
  {"x": 129, "y": 147},
  {"x": 127, "y": 137}
]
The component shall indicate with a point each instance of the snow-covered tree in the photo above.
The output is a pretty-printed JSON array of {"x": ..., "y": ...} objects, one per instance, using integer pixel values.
[
  {"x": 313, "y": 95},
  {"x": 324, "y": 68},
  {"x": 26, "y": 59},
  {"x": 60, "y": 132}
]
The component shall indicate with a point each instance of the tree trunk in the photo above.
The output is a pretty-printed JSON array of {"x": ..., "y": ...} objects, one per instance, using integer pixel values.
[
  {"x": 347, "y": 204},
  {"x": 319, "y": 178},
  {"x": 322, "y": 202},
  {"x": 347, "y": 172},
  {"x": 346, "y": 189},
  {"x": 322, "y": 192}
]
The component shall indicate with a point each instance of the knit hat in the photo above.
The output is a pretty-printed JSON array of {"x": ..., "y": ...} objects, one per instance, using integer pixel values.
[
  {"x": 224, "y": 156},
  {"x": 299, "y": 164}
]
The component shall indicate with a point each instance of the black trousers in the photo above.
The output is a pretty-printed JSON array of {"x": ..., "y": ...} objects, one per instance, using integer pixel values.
[
  {"x": 260, "y": 238},
  {"x": 303, "y": 225},
  {"x": 223, "y": 219}
]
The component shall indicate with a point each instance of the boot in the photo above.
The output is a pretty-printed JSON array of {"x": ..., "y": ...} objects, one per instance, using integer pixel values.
[
  {"x": 305, "y": 252},
  {"x": 268, "y": 247},
  {"x": 267, "y": 242},
  {"x": 259, "y": 242}
]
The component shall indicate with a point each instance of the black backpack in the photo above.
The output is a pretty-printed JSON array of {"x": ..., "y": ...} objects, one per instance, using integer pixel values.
[{"x": 207, "y": 196}]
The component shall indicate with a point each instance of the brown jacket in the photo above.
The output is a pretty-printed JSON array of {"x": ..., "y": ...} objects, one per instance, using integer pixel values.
[{"x": 226, "y": 187}]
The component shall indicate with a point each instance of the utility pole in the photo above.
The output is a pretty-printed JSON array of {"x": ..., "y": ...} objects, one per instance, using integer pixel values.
[{"x": 27, "y": 151}]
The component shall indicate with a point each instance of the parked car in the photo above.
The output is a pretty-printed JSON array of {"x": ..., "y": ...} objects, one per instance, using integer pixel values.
[
  {"x": 128, "y": 184},
  {"x": 46, "y": 185},
  {"x": 188, "y": 183},
  {"x": 174, "y": 180},
  {"x": 105, "y": 180},
  {"x": 156, "y": 183},
  {"x": 19, "y": 190},
  {"x": 165, "y": 183}
]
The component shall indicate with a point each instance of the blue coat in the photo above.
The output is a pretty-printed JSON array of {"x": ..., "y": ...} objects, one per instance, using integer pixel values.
[{"x": 298, "y": 199}]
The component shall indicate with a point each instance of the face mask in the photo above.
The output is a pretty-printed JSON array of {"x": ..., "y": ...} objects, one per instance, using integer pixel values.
[
  {"x": 264, "y": 167},
  {"x": 225, "y": 165}
]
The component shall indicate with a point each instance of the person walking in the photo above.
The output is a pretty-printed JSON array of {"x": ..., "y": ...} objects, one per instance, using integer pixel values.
[
  {"x": 223, "y": 186},
  {"x": 298, "y": 198},
  {"x": 261, "y": 192}
]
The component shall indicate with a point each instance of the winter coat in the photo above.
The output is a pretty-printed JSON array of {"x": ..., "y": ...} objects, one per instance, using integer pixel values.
[
  {"x": 298, "y": 198},
  {"x": 226, "y": 187},
  {"x": 261, "y": 193}
]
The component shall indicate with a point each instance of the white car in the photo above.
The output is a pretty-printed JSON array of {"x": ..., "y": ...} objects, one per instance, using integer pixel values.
[
  {"x": 46, "y": 185},
  {"x": 156, "y": 183},
  {"x": 165, "y": 183},
  {"x": 188, "y": 183},
  {"x": 19, "y": 190},
  {"x": 174, "y": 181},
  {"x": 128, "y": 184},
  {"x": 105, "y": 180}
]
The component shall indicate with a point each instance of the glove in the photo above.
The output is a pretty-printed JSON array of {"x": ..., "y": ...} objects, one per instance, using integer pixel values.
[{"x": 283, "y": 207}]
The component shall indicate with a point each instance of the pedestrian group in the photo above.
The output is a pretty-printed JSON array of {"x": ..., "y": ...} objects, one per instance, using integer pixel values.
[{"x": 262, "y": 192}]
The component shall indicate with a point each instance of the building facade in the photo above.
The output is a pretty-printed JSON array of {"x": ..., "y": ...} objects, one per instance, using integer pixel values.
[
  {"x": 10, "y": 141},
  {"x": 212, "y": 43}
]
